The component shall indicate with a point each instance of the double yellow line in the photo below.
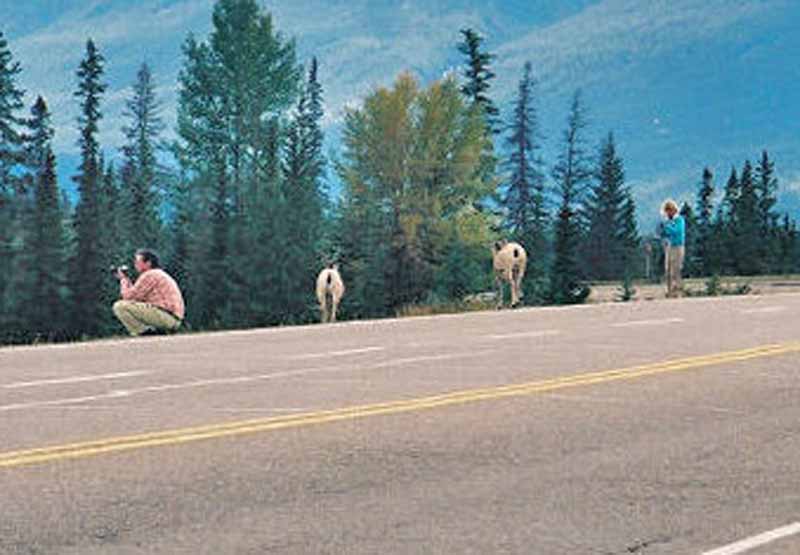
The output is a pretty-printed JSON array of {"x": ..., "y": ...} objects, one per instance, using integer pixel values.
[{"x": 187, "y": 435}]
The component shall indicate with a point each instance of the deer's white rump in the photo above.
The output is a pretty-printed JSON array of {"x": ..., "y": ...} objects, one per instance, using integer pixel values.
[
  {"x": 330, "y": 290},
  {"x": 509, "y": 261}
]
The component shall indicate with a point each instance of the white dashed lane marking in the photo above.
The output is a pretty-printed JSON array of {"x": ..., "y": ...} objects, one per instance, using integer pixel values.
[
  {"x": 635, "y": 323},
  {"x": 754, "y": 542},
  {"x": 75, "y": 379}
]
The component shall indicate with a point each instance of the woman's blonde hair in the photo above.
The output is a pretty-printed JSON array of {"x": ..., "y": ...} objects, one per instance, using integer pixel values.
[{"x": 669, "y": 203}]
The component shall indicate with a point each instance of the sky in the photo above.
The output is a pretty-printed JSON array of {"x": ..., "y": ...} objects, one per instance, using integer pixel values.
[{"x": 681, "y": 83}]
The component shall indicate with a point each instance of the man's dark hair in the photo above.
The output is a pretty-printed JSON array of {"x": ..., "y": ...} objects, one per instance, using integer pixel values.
[{"x": 149, "y": 256}]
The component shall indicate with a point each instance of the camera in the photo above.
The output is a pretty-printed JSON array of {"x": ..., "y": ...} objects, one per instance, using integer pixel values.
[{"x": 115, "y": 269}]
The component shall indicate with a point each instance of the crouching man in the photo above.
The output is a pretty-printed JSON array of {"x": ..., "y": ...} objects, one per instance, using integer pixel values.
[{"x": 154, "y": 304}]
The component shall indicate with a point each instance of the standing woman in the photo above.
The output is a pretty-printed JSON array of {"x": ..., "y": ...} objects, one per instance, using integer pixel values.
[{"x": 674, "y": 235}]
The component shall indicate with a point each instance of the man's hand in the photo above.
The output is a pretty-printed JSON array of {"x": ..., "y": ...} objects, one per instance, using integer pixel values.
[{"x": 124, "y": 281}]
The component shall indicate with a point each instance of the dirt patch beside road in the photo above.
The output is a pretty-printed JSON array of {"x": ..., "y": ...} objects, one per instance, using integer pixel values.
[{"x": 763, "y": 285}]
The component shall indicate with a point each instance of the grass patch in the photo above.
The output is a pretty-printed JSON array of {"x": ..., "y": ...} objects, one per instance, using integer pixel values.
[
  {"x": 714, "y": 286},
  {"x": 409, "y": 311}
]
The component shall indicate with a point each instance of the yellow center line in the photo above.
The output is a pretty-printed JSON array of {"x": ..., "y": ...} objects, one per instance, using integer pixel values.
[{"x": 185, "y": 435}]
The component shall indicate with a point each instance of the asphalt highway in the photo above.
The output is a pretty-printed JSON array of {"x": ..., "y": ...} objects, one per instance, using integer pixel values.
[{"x": 649, "y": 428}]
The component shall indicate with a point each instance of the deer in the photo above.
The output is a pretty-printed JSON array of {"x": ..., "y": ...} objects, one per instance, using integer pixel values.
[
  {"x": 330, "y": 289},
  {"x": 509, "y": 260}
]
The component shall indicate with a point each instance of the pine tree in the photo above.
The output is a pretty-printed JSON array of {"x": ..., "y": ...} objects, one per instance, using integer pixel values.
[
  {"x": 259, "y": 80},
  {"x": 139, "y": 210},
  {"x": 693, "y": 262},
  {"x": 747, "y": 254},
  {"x": 42, "y": 291},
  {"x": 177, "y": 254},
  {"x": 361, "y": 232},
  {"x": 303, "y": 168},
  {"x": 767, "y": 192},
  {"x": 793, "y": 248},
  {"x": 11, "y": 104},
  {"x": 571, "y": 173},
  {"x": 217, "y": 286},
  {"x": 604, "y": 250},
  {"x": 202, "y": 156},
  {"x": 87, "y": 271},
  {"x": 728, "y": 226},
  {"x": 628, "y": 237},
  {"x": 478, "y": 75},
  {"x": 718, "y": 243},
  {"x": 235, "y": 91},
  {"x": 705, "y": 213},
  {"x": 112, "y": 248},
  {"x": 49, "y": 246},
  {"x": 732, "y": 194},
  {"x": 788, "y": 247},
  {"x": 38, "y": 137},
  {"x": 629, "y": 242},
  {"x": 524, "y": 197}
]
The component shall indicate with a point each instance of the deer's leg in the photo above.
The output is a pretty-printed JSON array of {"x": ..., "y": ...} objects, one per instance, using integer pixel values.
[
  {"x": 517, "y": 285},
  {"x": 509, "y": 278}
]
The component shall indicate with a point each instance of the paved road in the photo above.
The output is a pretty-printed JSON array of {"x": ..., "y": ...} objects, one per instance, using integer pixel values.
[{"x": 649, "y": 428}]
